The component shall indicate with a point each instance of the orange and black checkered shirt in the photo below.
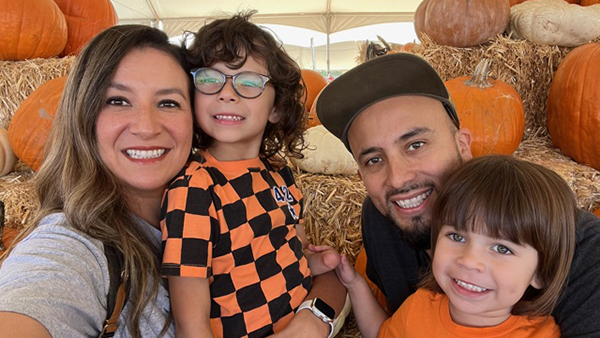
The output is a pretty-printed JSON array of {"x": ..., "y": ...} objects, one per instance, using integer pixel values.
[{"x": 234, "y": 223}]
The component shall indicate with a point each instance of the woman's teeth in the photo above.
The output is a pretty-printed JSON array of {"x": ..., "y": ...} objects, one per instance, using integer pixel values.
[{"x": 145, "y": 154}]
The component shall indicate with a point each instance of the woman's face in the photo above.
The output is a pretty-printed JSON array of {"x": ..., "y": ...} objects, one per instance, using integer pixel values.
[{"x": 144, "y": 129}]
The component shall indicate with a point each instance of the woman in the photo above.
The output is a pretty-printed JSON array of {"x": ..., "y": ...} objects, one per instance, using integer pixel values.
[{"x": 122, "y": 131}]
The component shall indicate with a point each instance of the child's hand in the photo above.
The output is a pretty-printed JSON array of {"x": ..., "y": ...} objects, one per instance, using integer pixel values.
[
  {"x": 346, "y": 273},
  {"x": 321, "y": 259}
]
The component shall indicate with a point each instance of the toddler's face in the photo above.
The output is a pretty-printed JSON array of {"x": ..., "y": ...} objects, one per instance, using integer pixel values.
[
  {"x": 483, "y": 277},
  {"x": 236, "y": 124}
]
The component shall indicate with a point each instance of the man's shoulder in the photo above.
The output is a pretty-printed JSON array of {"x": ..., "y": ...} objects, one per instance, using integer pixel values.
[
  {"x": 587, "y": 227},
  {"x": 587, "y": 245}
]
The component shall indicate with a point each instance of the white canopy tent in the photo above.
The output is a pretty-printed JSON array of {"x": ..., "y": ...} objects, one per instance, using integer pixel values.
[{"x": 323, "y": 17}]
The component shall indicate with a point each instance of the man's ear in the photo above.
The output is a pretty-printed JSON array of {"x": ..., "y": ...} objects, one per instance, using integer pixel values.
[{"x": 463, "y": 142}]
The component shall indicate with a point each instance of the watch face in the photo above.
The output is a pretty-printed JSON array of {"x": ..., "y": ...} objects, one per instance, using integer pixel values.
[{"x": 324, "y": 308}]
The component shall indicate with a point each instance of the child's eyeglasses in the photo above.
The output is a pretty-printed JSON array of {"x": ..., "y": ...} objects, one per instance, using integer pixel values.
[{"x": 210, "y": 81}]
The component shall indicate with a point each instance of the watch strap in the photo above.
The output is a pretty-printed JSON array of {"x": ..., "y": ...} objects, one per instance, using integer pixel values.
[{"x": 309, "y": 305}]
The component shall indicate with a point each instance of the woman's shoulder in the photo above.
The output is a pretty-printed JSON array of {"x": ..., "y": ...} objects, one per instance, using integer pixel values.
[
  {"x": 56, "y": 228},
  {"x": 54, "y": 242},
  {"x": 58, "y": 276}
]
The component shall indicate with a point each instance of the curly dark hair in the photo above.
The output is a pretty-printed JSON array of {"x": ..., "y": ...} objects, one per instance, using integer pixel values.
[{"x": 231, "y": 41}]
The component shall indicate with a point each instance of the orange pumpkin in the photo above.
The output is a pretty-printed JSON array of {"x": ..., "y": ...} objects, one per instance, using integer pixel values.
[
  {"x": 85, "y": 19},
  {"x": 314, "y": 83},
  {"x": 491, "y": 109},
  {"x": 31, "y": 29},
  {"x": 313, "y": 119},
  {"x": 574, "y": 105},
  {"x": 30, "y": 125},
  {"x": 589, "y": 2},
  {"x": 8, "y": 235},
  {"x": 462, "y": 23},
  {"x": 577, "y": 2}
]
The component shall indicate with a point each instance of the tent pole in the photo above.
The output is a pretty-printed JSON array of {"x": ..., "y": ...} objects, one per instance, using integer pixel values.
[
  {"x": 328, "y": 18},
  {"x": 312, "y": 49}
]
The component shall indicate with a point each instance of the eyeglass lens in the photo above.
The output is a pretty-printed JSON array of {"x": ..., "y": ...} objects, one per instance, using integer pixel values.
[{"x": 246, "y": 84}]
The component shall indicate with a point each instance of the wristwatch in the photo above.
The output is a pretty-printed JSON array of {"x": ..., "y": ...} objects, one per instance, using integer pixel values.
[{"x": 320, "y": 309}]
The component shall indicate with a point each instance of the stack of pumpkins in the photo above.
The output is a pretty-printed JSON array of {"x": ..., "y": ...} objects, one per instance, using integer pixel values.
[
  {"x": 42, "y": 29},
  {"x": 492, "y": 110}
]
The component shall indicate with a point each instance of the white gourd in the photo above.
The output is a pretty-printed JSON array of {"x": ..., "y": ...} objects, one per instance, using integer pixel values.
[
  {"x": 7, "y": 157},
  {"x": 325, "y": 154},
  {"x": 554, "y": 22}
]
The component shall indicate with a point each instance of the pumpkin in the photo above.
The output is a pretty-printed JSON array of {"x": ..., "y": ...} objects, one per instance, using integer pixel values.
[
  {"x": 325, "y": 154},
  {"x": 554, "y": 22},
  {"x": 461, "y": 23},
  {"x": 589, "y": 2},
  {"x": 7, "y": 157},
  {"x": 30, "y": 125},
  {"x": 491, "y": 109},
  {"x": 597, "y": 212},
  {"x": 85, "y": 19},
  {"x": 516, "y": 2},
  {"x": 31, "y": 29},
  {"x": 313, "y": 83},
  {"x": 574, "y": 105},
  {"x": 313, "y": 119}
]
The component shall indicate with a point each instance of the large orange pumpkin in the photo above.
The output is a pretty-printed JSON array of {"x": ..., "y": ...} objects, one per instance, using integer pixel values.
[
  {"x": 31, "y": 29},
  {"x": 313, "y": 119},
  {"x": 589, "y": 2},
  {"x": 462, "y": 23},
  {"x": 314, "y": 83},
  {"x": 516, "y": 2},
  {"x": 491, "y": 109},
  {"x": 30, "y": 125},
  {"x": 85, "y": 19},
  {"x": 574, "y": 105}
]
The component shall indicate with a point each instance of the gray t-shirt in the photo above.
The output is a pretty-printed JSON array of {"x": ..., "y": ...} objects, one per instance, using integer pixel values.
[{"x": 59, "y": 277}]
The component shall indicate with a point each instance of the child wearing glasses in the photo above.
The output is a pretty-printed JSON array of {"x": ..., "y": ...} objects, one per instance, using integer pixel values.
[
  {"x": 235, "y": 251},
  {"x": 503, "y": 238}
]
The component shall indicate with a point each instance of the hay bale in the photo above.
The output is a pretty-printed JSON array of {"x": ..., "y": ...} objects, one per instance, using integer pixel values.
[
  {"x": 332, "y": 210},
  {"x": 17, "y": 193},
  {"x": 526, "y": 66},
  {"x": 19, "y": 78},
  {"x": 584, "y": 180}
]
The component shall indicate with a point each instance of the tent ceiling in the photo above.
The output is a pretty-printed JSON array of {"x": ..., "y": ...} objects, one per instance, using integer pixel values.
[{"x": 327, "y": 16}]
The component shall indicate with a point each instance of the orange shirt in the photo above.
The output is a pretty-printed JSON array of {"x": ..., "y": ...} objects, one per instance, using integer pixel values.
[
  {"x": 426, "y": 314},
  {"x": 235, "y": 223}
]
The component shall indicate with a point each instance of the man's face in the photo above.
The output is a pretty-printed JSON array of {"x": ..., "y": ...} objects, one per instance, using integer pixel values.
[{"x": 404, "y": 146}]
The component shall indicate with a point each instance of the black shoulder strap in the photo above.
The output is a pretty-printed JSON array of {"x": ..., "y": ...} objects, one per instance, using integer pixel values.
[{"x": 117, "y": 295}]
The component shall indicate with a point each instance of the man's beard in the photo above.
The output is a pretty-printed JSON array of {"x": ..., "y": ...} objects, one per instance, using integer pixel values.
[
  {"x": 416, "y": 231},
  {"x": 417, "y": 234}
]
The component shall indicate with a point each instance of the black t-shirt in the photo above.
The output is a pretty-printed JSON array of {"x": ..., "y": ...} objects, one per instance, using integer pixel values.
[{"x": 396, "y": 267}]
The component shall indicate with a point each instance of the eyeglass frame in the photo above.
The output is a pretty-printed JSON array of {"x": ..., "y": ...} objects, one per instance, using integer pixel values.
[{"x": 264, "y": 78}]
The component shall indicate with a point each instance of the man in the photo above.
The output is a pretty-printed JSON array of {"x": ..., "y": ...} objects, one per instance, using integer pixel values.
[{"x": 397, "y": 119}]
